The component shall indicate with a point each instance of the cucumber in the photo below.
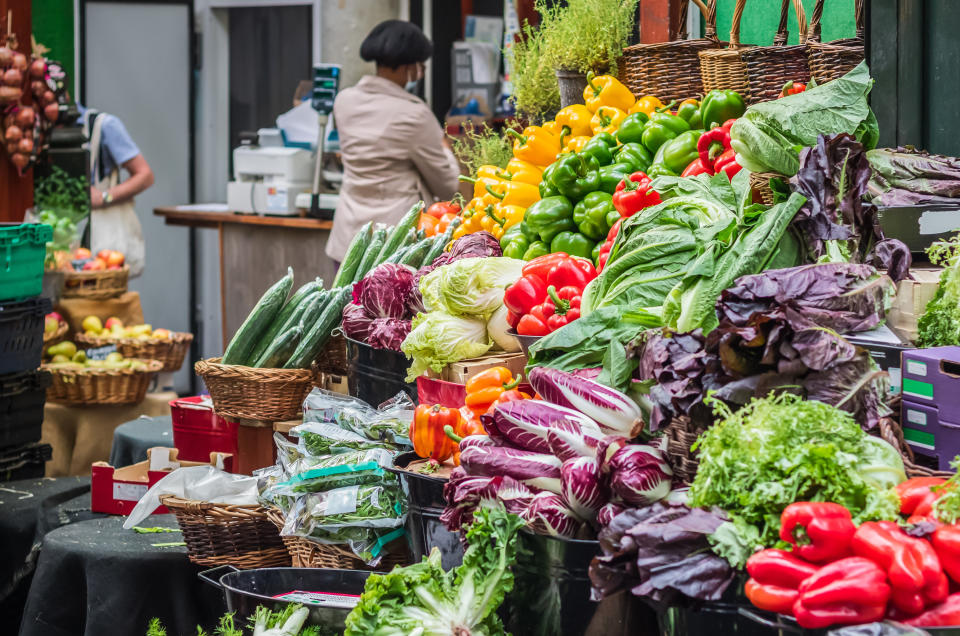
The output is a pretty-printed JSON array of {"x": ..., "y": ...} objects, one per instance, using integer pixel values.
[
  {"x": 288, "y": 316},
  {"x": 373, "y": 252},
  {"x": 398, "y": 255},
  {"x": 441, "y": 243},
  {"x": 314, "y": 309},
  {"x": 312, "y": 343},
  {"x": 258, "y": 321},
  {"x": 414, "y": 256},
  {"x": 277, "y": 353},
  {"x": 399, "y": 234},
  {"x": 354, "y": 256}
]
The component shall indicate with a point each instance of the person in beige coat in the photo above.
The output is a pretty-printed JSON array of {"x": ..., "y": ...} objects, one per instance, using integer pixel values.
[{"x": 394, "y": 150}]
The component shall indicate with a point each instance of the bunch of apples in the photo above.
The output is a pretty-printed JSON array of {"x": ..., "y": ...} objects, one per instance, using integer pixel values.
[
  {"x": 51, "y": 322},
  {"x": 65, "y": 355},
  {"x": 114, "y": 328},
  {"x": 84, "y": 260}
]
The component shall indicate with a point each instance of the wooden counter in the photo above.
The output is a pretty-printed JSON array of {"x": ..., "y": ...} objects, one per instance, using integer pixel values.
[{"x": 255, "y": 252}]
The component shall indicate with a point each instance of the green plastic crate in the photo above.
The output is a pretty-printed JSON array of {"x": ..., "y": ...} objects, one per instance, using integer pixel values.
[{"x": 23, "y": 247}]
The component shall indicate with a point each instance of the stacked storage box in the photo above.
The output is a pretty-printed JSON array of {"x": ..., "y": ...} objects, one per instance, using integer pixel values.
[
  {"x": 931, "y": 402},
  {"x": 23, "y": 387}
]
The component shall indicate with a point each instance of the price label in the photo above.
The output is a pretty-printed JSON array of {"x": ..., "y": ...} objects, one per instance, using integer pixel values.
[{"x": 101, "y": 353}]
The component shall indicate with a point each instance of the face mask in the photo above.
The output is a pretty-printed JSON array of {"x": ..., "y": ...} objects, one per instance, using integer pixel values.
[{"x": 411, "y": 86}]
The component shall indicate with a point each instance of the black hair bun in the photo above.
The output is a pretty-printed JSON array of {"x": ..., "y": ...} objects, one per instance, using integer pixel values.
[{"x": 394, "y": 43}]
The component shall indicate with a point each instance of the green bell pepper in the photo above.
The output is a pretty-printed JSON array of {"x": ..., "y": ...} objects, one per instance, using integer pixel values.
[
  {"x": 680, "y": 151},
  {"x": 547, "y": 189},
  {"x": 606, "y": 138},
  {"x": 575, "y": 177},
  {"x": 631, "y": 128},
  {"x": 548, "y": 217},
  {"x": 612, "y": 175},
  {"x": 536, "y": 249},
  {"x": 599, "y": 150},
  {"x": 572, "y": 243},
  {"x": 595, "y": 254},
  {"x": 591, "y": 215},
  {"x": 634, "y": 154},
  {"x": 719, "y": 106},
  {"x": 662, "y": 128},
  {"x": 517, "y": 240},
  {"x": 660, "y": 170},
  {"x": 690, "y": 113}
]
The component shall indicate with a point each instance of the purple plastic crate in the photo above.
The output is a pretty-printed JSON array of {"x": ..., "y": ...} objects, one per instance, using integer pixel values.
[
  {"x": 928, "y": 434},
  {"x": 932, "y": 377}
]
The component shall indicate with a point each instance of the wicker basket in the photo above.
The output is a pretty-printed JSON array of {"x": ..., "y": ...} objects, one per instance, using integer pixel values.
[
  {"x": 220, "y": 534},
  {"x": 833, "y": 59},
  {"x": 169, "y": 351},
  {"x": 97, "y": 285},
  {"x": 724, "y": 69},
  {"x": 50, "y": 339},
  {"x": 770, "y": 67},
  {"x": 94, "y": 385},
  {"x": 246, "y": 393},
  {"x": 760, "y": 184},
  {"x": 669, "y": 70},
  {"x": 311, "y": 554},
  {"x": 333, "y": 358}
]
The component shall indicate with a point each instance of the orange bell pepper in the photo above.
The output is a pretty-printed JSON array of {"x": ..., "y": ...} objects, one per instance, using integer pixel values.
[
  {"x": 646, "y": 105},
  {"x": 427, "y": 434},
  {"x": 487, "y": 386}
]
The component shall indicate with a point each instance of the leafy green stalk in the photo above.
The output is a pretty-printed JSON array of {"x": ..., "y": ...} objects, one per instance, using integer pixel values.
[{"x": 939, "y": 326}]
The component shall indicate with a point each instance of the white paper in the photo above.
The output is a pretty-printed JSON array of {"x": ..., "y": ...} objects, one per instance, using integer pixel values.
[{"x": 300, "y": 124}]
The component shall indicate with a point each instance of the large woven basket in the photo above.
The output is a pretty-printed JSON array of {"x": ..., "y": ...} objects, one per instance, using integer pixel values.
[
  {"x": 96, "y": 285},
  {"x": 770, "y": 67},
  {"x": 311, "y": 554},
  {"x": 830, "y": 60},
  {"x": 333, "y": 357},
  {"x": 724, "y": 69},
  {"x": 92, "y": 385},
  {"x": 247, "y": 393},
  {"x": 221, "y": 534},
  {"x": 669, "y": 70},
  {"x": 50, "y": 339},
  {"x": 760, "y": 184},
  {"x": 169, "y": 351}
]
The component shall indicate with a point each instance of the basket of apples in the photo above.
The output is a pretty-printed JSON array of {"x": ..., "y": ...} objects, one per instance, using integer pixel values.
[
  {"x": 54, "y": 329},
  {"x": 96, "y": 277},
  {"x": 79, "y": 380},
  {"x": 137, "y": 341}
]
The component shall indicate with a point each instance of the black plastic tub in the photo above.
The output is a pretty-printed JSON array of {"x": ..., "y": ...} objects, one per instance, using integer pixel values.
[
  {"x": 551, "y": 594},
  {"x": 425, "y": 504},
  {"x": 244, "y": 590},
  {"x": 24, "y": 462},
  {"x": 21, "y": 334},
  {"x": 22, "y": 396},
  {"x": 376, "y": 375}
]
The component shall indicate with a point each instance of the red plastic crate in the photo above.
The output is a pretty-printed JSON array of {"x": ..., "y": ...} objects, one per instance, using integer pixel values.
[{"x": 198, "y": 431}]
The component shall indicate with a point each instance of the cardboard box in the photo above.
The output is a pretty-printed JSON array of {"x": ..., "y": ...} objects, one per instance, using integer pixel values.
[
  {"x": 460, "y": 372},
  {"x": 911, "y": 301},
  {"x": 928, "y": 434},
  {"x": 932, "y": 377},
  {"x": 115, "y": 491}
]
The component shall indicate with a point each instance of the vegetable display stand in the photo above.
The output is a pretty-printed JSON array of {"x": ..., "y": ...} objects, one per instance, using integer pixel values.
[
  {"x": 770, "y": 67},
  {"x": 670, "y": 70},
  {"x": 21, "y": 334},
  {"x": 376, "y": 375},
  {"x": 306, "y": 553},
  {"x": 246, "y": 393},
  {"x": 220, "y": 534},
  {"x": 551, "y": 593},
  {"x": 97, "y": 385},
  {"x": 724, "y": 69},
  {"x": 425, "y": 505},
  {"x": 21, "y": 407},
  {"x": 169, "y": 351},
  {"x": 830, "y": 60},
  {"x": 96, "y": 285},
  {"x": 760, "y": 184},
  {"x": 22, "y": 250},
  {"x": 571, "y": 84},
  {"x": 50, "y": 339}
]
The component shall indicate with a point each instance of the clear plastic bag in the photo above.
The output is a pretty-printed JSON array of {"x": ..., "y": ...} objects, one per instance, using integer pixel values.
[
  {"x": 321, "y": 438},
  {"x": 389, "y": 423},
  {"x": 316, "y": 474}
]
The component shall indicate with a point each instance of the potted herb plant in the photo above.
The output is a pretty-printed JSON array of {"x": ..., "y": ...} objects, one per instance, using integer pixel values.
[{"x": 535, "y": 94}]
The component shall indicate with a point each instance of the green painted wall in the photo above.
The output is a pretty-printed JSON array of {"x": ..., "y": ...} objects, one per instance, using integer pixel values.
[
  {"x": 53, "y": 28},
  {"x": 761, "y": 17}
]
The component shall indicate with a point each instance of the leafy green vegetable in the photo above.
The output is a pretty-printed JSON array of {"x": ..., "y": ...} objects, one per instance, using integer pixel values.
[
  {"x": 424, "y": 599},
  {"x": 470, "y": 287},
  {"x": 438, "y": 338},
  {"x": 781, "y": 449},
  {"x": 947, "y": 506},
  {"x": 939, "y": 326}
]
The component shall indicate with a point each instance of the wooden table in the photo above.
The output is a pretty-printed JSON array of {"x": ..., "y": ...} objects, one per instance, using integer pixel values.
[{"x": 255, "y": 252}]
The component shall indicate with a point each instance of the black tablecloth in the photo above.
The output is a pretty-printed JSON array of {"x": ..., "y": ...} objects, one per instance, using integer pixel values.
[
  {"x": 131, "y": 440},
  {"x": 95, "y": 578},
  {"x": 28, "y": 510}
]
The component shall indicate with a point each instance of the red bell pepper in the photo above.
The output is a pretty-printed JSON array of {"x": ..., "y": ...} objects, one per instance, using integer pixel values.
[
  {"x": 714, "y": 143},
  {"x": 513, "y": 318},
  {"x": 604, "y": 254},
  {"x": 819, "y": 531},
  {"x": 850, "y": 591},
  {"x": 528, "y": 291},
  {"x": 532, "y": 324},
  {"x": 561, "y": 270},
  {"x": 917, "y": 495},
  {"x": 542, "y": 265},
  {"x": 792, "y": 88},
  {"x": 697, "y": 166},
  {"x": 946, "y": 614},
  {"x": 775, "y": 577},
  {"x": 564, "y": 306},
  {"x": 634, "y": 194},
  {"x": 946, "y": 543},
  {"x": 727, "y": 164},
  {"x": 915, "y": 573}
]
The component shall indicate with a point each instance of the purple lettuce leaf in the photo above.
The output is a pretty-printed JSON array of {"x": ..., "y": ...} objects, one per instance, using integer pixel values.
[
  {"x": 384, "y": 292},
  {"x": 388, "y": 333},
  {"x": 548, "y": 515},
  {"x": 356, "y": 323}
]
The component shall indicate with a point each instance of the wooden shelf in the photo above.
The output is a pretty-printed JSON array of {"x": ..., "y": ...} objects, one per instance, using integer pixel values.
[{"x": 174, "y": 215}]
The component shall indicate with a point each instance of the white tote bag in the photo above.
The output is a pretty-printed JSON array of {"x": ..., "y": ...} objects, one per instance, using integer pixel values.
[{"x": 114, "y": 227}]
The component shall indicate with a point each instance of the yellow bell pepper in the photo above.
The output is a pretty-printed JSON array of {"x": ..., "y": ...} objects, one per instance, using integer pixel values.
[
  {"x": 519, "y": 165},
  {"x": 522, "y": 174},
  {"x": 536, "y": 144},
  {"x": 514, "y": 193},
  {"x": 576, "y": 120},
  {"x": 489, "y": 171},
  {"x": 607, "y": 120},
  {"x": 471, "y": 215},
  {"x": 480, "y": 183},
  {"x": 500, "y": 218},
  {"x": 553, "y": 127},
  {"x": 576, "y": 144},
  {"x": 605, "y": 90},
  {"x": 646, "y": 105}
]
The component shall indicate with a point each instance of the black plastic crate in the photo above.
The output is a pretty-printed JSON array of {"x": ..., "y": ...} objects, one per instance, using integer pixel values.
[
  {"x": 21, "y": 334},
  {"x": 24, "y": 462},
  {"x": 21, "y": 407}
]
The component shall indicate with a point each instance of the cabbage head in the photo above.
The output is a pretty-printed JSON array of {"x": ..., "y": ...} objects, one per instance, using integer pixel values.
[
  {"x": 437, "y": 339},
  {"x": 471, "y": 287}
]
